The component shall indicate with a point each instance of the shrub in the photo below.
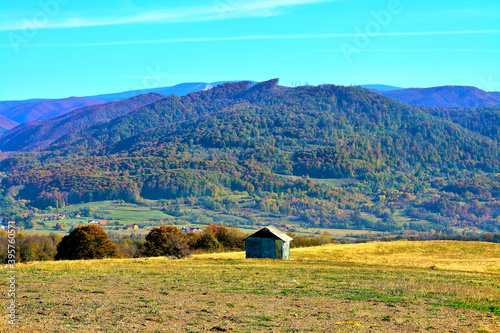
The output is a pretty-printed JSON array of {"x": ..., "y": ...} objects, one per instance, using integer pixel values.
[
  {"x": 208, "y": 242},
  {"x": 299, "y": 241},
  {"x": 128, "y": 247},
  {"x": 87, "y": 242},
  {"x": 192, "y": 239},
  {"x": 165, "y": 241},
  {"x": 30, "y": 247},
  {"x": 229, "y": 238}
]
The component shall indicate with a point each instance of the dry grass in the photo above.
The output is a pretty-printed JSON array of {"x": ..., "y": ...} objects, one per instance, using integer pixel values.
[
  {"x": 441, "y": 255},
  {"x": 379, "y": 287}
]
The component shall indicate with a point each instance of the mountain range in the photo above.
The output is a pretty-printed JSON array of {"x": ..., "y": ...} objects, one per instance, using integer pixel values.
[
  {"x": 20, "y": 112},
  {"x": 179, "y": 90},
  {"x": 380, "y": 87},
  {"x": 325, "y": 155},
  {"x": 445, "y": 97},
  {"x": 13, "y": 113},
  {"x": 39, "y": 134}
]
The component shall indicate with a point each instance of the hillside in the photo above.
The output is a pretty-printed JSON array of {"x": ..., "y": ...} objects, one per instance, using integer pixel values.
[
  {"x": 179, "y": 90},
  {"x": 446, "y": 97},
  {"x": 485, "y": 121},
  {"x": 9, "y": 104},
  {"x": 43, "y": 109},
  {"x": 380, "y": 87},
  {"x": 326, "y": 156},
  {"x": 17, "y": 112},
  {"x": 221, "y": 294},
  {"x": 6, "y": 124},
  {"x": 40, "y": 134}
]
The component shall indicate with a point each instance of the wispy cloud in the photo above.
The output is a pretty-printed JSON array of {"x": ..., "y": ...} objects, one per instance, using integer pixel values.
[
  {"x": 484, "y": 12},
  {"x": 413, "y": 50},
  {"x": 219, "y": 10},
  {"x": 261, "y": 37}
]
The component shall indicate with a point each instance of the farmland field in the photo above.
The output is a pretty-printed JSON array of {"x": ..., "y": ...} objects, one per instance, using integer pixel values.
[
  {"x": 118, "y": 214},
  {"x": 373, "y": 287}
]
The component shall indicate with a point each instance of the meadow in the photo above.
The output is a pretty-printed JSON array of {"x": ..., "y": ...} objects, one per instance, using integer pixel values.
[{"x": 374, "y": 287}]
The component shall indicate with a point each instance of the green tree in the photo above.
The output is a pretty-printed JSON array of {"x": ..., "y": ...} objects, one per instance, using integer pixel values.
[{"x": 208, "y": 242}]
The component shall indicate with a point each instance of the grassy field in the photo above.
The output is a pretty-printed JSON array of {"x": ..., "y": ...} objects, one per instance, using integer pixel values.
[{"x": 374, "y": 287}]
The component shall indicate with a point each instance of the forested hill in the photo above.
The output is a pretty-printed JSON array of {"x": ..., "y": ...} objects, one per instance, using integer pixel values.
[
  {"x": 446, "y": 96},
  {"x": 35, "y": 135},
  {"x": 254, "y": 138}
]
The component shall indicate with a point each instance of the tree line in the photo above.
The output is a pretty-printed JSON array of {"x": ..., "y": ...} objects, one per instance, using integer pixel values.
[{"x": 92, "y": 242}]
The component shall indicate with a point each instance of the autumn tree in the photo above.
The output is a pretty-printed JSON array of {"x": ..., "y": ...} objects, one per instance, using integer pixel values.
[
  {"x": 229, "y": 238},
  {"x": 165, "y": 241},
  {"x": 87, "y": 242}
]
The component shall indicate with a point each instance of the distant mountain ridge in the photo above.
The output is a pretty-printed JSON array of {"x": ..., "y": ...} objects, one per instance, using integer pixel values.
[
  {"x": 380, "y": 87},
  {"x": 179, "y": 90},
  {"x": 13, "y": 113},
  {"x": 446, "y": 96},
  {"x": 18, "y": 112},
  {"x": 23, "y": 111},
  {"x": 6, "y": 124},
  {"x": 35, "y": 135}
]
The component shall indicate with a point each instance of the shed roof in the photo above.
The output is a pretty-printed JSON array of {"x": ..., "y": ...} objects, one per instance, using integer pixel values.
[{"x": 270, "y": 230}]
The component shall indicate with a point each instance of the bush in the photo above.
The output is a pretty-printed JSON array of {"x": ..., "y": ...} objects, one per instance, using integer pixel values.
[
  {"x": 165, "y": 241},
  {"x": 128, "y": 247},
  {"x": 230, "y": 239},
  {"x": 299, "y": 241},
  {"x": 87, "y": 242},
  {"x": 208, "y": 242},
  {"x": 192, "y": 239},
  {"x": 30, "y": 247}
]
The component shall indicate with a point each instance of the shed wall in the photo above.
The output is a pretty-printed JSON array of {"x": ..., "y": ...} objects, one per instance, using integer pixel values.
[{"x": 267, "y": 248}]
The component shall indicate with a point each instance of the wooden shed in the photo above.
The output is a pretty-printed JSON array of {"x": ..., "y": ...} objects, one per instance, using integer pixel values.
[{"x": 268, "y": 242}]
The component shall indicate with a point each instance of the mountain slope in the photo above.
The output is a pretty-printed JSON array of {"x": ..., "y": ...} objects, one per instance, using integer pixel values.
[
  {"x": 21, "y": 111},
  {"x": 169, "y": 110},
  {"x": 446, "y": 96},
  {"x": 41, "y": 109},
  {"x": 179, "y": 90},
  {"x": 324, "y": 156},
  {"x": 6, "y": 124},
  {"x": 380, "y": 87},
  {"x": 9, "y": 104},
  {"x": 39, "y": 134}
]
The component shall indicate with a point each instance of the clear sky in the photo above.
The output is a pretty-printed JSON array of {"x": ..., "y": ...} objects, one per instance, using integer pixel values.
[{"x": 62, "y": 48}]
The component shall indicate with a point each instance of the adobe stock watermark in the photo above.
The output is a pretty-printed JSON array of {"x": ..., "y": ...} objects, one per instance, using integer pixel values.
[
  {"x": 48, "y": 9},
  {"x": 222, "y": 7},
  {"x": 363, "y": 37},
  {"x": 155, "y": 77},
  {"x": 11, "y": 277},
  {"x": 488, "y": 83}
]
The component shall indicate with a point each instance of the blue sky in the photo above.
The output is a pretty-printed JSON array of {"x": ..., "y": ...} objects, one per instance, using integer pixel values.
[{"x": 61, "y": 48}]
